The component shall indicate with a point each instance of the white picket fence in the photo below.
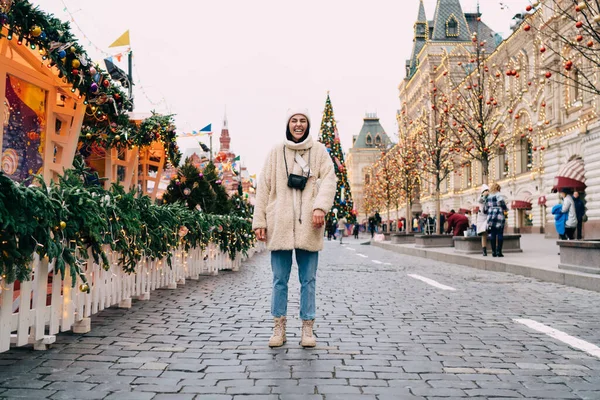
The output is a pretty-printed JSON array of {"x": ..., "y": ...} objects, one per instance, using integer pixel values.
[{"x": 39, "y": 310}]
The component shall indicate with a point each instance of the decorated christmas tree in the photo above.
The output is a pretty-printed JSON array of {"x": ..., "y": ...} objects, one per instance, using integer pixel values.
[
  {"x": 342, "y": 204},
  {"x": 190, "y": 187}
]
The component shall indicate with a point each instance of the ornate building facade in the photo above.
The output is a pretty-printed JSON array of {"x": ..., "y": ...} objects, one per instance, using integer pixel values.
[
  {"x": 551, "y": 125},
  {"x": 366, "y": 149}
]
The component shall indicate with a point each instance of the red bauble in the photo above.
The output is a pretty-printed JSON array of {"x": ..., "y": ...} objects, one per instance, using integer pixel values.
[
  {"x": 579, "y": 24},
  {"x": 527, "y": 28},
  {"x": 106, "y": 83},
  {"x": 542, "y": 49},
  {"x": 548, "y": 74},
  {"x": 529, "y": 8},
  {"x": 579, "y": 38},
  {"x": 590, "y": 43}
]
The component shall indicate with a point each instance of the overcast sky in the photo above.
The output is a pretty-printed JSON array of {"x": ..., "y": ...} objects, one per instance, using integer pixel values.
[{"x": 194, "y": 58}]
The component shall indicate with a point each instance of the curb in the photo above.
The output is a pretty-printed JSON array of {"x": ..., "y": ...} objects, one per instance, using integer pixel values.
[{"x": 569, "y": 278}]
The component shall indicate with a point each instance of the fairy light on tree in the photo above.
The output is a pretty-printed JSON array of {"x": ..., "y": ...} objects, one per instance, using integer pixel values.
[
  {"x": 407, "y": 153},
  {"x": 434, "y": 145},
  {"x": 473, "y": 105},
  {"x": 570, "y": 42}
]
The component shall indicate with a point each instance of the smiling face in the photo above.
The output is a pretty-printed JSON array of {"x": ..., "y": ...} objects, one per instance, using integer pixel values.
[{"x": 298, "y": 125}]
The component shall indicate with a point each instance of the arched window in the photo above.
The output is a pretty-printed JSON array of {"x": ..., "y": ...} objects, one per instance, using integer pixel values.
[
  {"x": 377, "y": 140},
  {"x": 526, "y": 154},
  {"x": 369, "y": 140},
  {"x": 452, "y": 27},
  {"x": 367, "y": 179}
]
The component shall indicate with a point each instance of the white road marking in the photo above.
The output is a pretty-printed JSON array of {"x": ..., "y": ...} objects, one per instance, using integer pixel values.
[
  {"x": 377, "y": 262},
  {"x": 562, "y": 336},
  {"x": 387, "y": 263},
  {"x": 350, "y": 248},
  {"x": 362, "y": 255},
  {"x": 431, "y": 282}
]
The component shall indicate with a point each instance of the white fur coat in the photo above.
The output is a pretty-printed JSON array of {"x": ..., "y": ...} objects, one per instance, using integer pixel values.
[{"x": 285, "y": 212}]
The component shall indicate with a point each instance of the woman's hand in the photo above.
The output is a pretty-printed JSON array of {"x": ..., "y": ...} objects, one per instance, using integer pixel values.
[
  {"x": 318, "y": 218},
  {"x": 261, "y": 234}
]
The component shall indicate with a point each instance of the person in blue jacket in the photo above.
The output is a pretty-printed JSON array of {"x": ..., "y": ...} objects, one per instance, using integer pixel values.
[{"x": 560, "y": 220}]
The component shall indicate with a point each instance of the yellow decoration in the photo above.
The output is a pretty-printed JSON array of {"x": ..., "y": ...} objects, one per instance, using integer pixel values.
[
  {"x": 36, "y": 31},
  {"x": 63, "y": 224},
  {"x": 75, "y": 63},
  {"x": 84, "y": 287}
]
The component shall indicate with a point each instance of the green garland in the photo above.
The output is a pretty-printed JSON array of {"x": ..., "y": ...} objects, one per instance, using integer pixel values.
[
  {"x": 66, "y": 220},
  {"x": 120, "y": 132},
  {"x": 106, "y": 121},
  {"x": 30, "y": 26}
]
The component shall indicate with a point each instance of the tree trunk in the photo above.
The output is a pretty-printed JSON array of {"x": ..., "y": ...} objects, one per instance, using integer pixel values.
[
  {"x": 485, "y": 170},
  {"x": 408, "y": 221},
  {"x": 439, "y": 227}
]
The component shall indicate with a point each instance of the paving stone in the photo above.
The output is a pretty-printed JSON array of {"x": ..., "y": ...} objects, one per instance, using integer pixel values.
[{"x": 382, "y": 335}]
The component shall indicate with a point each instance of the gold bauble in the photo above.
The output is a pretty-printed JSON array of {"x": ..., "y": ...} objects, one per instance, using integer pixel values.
[{"x": 63, "y": 224}]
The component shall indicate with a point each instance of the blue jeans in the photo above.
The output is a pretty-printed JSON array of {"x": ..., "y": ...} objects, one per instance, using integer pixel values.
[{"x": 281, "y": 264}]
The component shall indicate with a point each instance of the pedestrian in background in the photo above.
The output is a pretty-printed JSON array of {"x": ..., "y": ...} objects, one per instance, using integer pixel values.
[
  {"x": 568, "y": 207},
  {"x": 295, "y": 190},
  {"x": 341, "y": 227},
  {"x": 457, "y": 223},
  {"x": 580, "y": 214},
  {"x": 356, "y": 230},
  {"x": 560, "y": 220},
  {"x": 495, "y": 208},
  {"x": 482, "y": 218}
]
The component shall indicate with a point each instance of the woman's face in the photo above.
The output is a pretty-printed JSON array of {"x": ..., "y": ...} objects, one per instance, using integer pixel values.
[
  {"x": 298, "y": 125},
  {"x": 485, "y": 193}
]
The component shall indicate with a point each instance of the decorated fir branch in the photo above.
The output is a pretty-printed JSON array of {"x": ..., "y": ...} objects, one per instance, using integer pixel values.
[
  {"x": 29, "y": 26},
  {"x": 106, "y": 121},
  {"x": 329, "y": 136},
  {"x": 74, "y": 218},
  {"x": 126, "y": 134}
]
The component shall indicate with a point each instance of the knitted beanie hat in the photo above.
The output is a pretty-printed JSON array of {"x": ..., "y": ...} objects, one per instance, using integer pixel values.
[{"x": 484, "y": 187}]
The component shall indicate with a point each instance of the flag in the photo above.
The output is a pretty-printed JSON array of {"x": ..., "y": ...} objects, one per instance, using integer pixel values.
[
  {"x": 253, "y": 176},
  {"x": 194, "y": 132},
  {"x": 237, "y": 158},
  {"x": 123, "y": 40},
  {"x": 207, "y": 128}
]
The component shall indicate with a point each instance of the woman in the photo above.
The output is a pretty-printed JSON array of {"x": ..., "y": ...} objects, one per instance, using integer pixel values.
[
  {"x": 482, "y": 218},
  {"x": 495, "y": 207},
  {"x": 295, "y": 190},
  {"x": 568, "y": 207}
]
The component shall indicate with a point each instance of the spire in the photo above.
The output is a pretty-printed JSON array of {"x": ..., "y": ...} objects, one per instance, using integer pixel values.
[
  {"x": 225, "y": 119},
  {"x": 450, "y": 23},
  {"x": 422, "y": 16},
  {"x": 421, "y": 36}
]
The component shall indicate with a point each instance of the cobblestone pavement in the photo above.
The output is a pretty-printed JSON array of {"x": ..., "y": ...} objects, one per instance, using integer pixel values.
[{"x": 382, "y": 334}]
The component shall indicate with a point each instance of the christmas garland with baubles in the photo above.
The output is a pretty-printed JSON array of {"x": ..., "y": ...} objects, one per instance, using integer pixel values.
[
  {"x": 73, "y": 216},
  {"x": 106, "y": 121}
]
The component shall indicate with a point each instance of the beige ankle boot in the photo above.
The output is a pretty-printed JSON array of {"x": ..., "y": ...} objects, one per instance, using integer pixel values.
[
  {"x": 308, "y": 339},
  {"x": 278, "y": 338}
]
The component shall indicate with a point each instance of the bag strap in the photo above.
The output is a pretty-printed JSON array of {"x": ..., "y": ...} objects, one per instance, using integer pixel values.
[{"x": 305, "y": 167}]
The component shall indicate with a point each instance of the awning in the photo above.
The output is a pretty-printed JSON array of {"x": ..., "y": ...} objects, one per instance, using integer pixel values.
[
  {"x": 476, "y": 209},
  {"x": 463, "y": 210},
  {"x": 571, "y": 175},
  {"x": 520, "y": 205},
  {"x": 542, "y": 200}
]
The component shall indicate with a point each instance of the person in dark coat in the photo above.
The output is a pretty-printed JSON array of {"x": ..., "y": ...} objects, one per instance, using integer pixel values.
[
  {"x": 457, "y": 223},
  {"x": 355, "y": 230},
  {"x": 580, "y": 213}
]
